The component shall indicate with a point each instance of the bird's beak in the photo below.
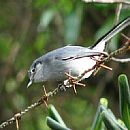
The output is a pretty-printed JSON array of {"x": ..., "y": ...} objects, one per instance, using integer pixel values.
[
  {"x": 31, "y": 77},
  {"x": 29, "y": 84}
]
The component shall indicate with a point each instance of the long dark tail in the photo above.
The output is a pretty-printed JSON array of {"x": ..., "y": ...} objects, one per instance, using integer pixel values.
[{"x": 101, "y": 43}]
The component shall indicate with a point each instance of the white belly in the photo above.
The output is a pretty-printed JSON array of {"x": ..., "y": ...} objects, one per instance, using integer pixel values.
[{"x": 81, "y": 65}]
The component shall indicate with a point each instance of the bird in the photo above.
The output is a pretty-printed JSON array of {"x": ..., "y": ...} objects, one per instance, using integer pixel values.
[{"x": 75, "y": 60}]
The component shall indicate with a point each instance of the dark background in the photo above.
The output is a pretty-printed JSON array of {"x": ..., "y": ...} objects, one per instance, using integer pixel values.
[{"x": 29, "y": 29}]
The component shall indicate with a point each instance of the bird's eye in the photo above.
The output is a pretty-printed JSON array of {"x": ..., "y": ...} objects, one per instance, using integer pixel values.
[{"x": 33, "y": 70}]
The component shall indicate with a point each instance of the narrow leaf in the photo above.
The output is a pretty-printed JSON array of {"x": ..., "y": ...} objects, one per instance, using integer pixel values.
[
  {"x": 53, "y": 113},
  {"x": 124, "y": 96},
  {"x": 97, "y": 123},
  {"x": 55, "y": 125},
  {"x": 110, "y": 122},
  {"x": 46, "y": 17}
]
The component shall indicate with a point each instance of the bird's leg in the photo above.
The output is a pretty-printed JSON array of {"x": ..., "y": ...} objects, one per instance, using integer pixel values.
[{"x": 62, "y": 86}]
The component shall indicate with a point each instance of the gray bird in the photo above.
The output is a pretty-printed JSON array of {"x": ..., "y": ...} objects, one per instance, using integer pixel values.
[{"x": 71, "y": 59}]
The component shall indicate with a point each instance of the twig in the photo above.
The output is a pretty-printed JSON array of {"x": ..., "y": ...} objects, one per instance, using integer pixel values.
[
  {"x": 121, "y": 50},
  {"x": 111, "y": 56},
  {"x": 17, "y": 117},
  {"x": 118, "y": 11},
  {"x": 42, "y": 100},
  {"x": 121, "y": 60},
  {"x": 107, "y": 1},
  {"x": 106, "y": 67},
  {"x": 126, "y": 37},
  {"x": 45, "y": 93}
]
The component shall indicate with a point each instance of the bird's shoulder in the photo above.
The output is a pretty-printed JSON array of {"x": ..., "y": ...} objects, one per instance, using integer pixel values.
[{"x": 65, "y": 52}]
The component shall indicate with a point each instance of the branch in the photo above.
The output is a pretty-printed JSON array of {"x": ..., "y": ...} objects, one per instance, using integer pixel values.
[
  {"x": 118, "y": 12},
  {"x": 107, "y": 1},
  {"x": 42, "y": 100},
  {"x": 121, "y": 60}
]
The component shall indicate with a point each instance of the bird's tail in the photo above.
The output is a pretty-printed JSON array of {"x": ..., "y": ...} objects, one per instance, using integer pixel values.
[{"x": 101, "y": 43}]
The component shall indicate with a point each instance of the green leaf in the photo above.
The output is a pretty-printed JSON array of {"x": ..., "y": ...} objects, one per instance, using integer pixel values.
[
  {"x": 55, "y": 125},
  {"x": 46, "y": 18},
  {"x": 124, "y": 96},
  {"x": 53, "y": 113},
  {"x": 104, "y": 102},
  {"x": 73, "y": 25},
  {"x": 110, "y": 122},
  {"x": 97, "y": 123},
  {"x": 121, "y": 122}
]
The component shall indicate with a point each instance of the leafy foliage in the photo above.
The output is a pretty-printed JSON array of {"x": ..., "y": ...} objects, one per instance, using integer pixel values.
[
  {"x": 104, "y": 118},
  {"x": 28, "y": 29}
]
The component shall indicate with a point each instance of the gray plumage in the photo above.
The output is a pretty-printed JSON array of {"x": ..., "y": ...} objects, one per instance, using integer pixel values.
[{"x": 71, "y": 59}]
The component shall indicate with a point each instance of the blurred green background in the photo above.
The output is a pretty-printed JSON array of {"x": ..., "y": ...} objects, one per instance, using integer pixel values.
[{"x": 29, "y": 29}]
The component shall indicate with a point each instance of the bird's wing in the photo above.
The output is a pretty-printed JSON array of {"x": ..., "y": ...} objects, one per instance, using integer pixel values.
[{"x": 73, "y": 52}]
